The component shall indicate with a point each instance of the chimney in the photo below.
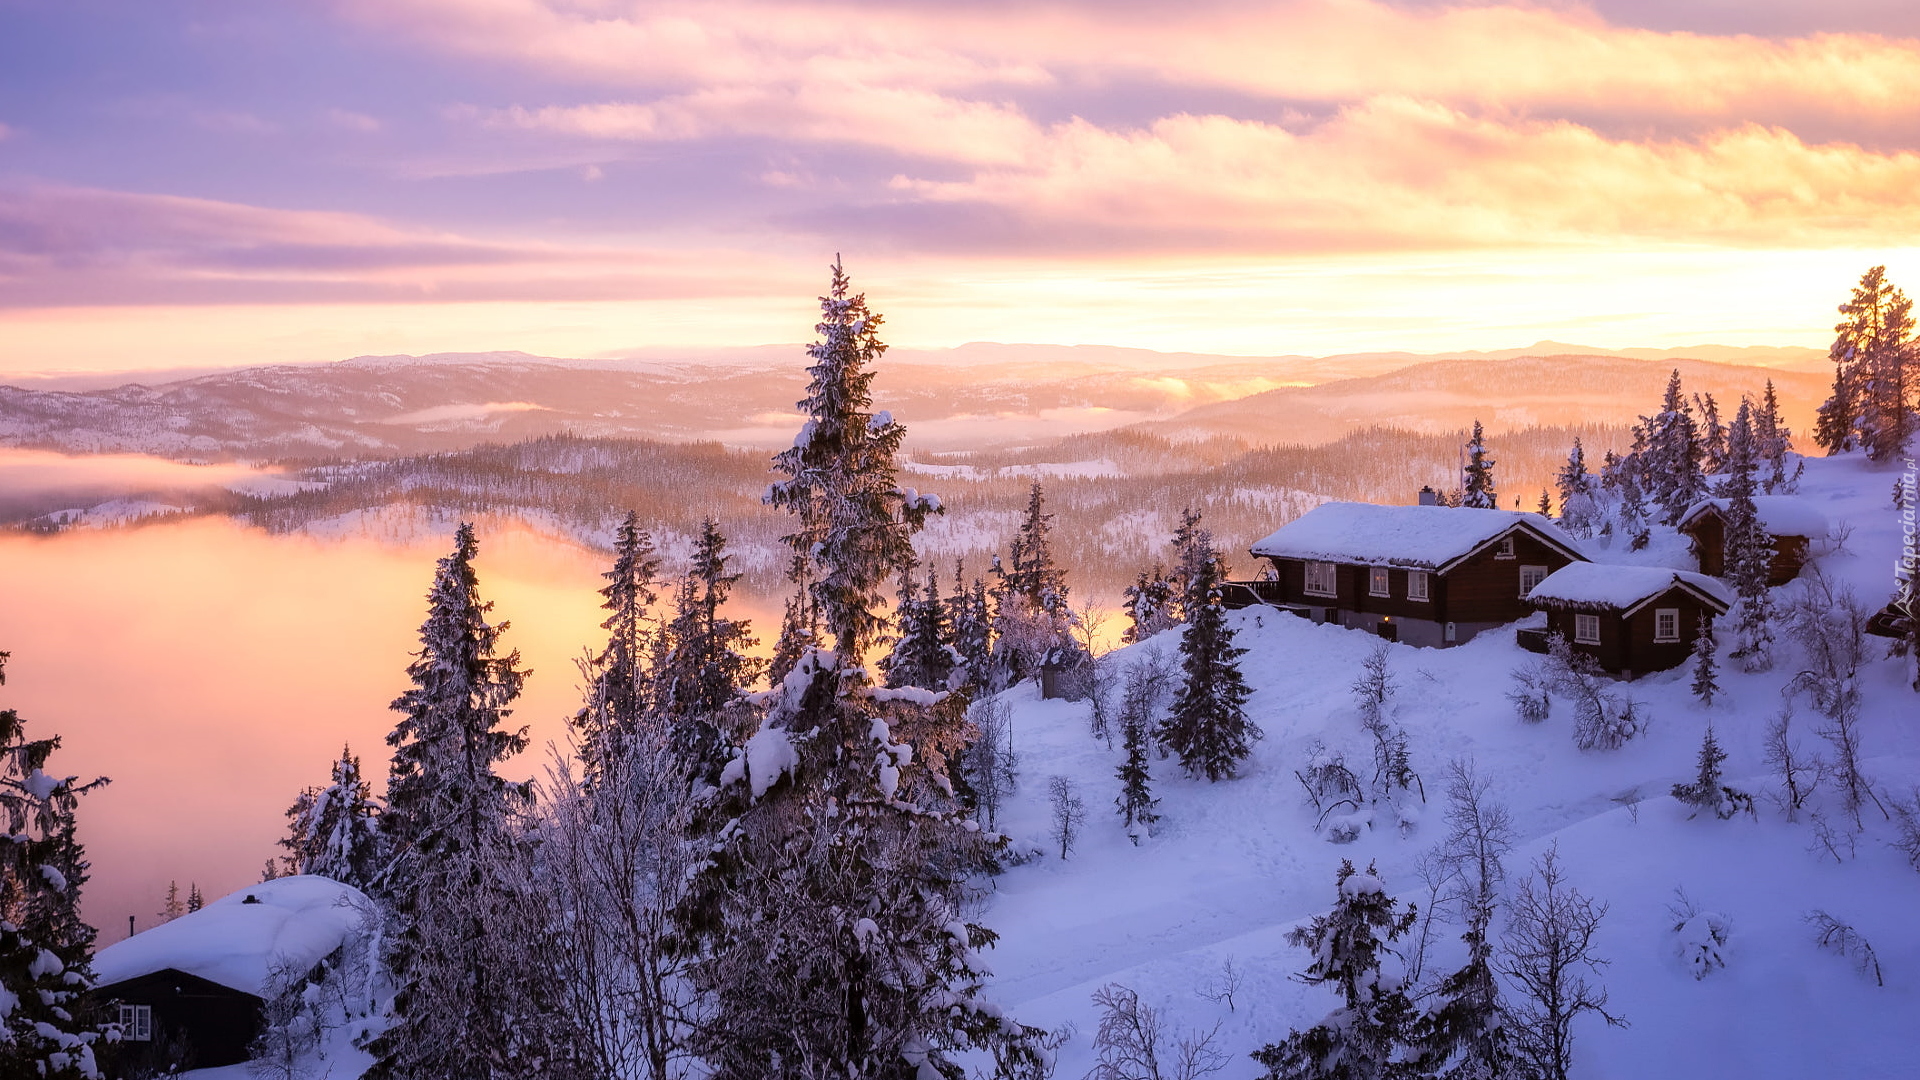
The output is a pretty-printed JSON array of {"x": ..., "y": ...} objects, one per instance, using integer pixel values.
[{"x": 1429, "y": 497}]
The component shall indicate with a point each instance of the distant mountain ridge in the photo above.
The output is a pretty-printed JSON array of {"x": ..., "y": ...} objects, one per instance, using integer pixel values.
[{"x": 976, "y": 395}]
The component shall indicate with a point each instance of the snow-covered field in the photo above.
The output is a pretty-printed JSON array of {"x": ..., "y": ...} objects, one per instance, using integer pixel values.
[{"x": 1234, "y": 865}]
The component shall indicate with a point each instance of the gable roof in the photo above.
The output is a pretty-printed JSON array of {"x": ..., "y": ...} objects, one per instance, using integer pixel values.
[
  {"x": 1413, "y": 537},
  {"x": 1626, "y": 589},
  {"x": 1779, "y": 515},
  {"x": 297, "y": 923}
]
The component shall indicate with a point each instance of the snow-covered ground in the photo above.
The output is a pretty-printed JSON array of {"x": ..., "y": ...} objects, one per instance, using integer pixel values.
[{"x": 1234, "y": 865}]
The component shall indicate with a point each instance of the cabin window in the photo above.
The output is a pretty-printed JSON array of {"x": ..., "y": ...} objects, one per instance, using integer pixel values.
[
  {"x": 1378, "y": 584},
  {"x": 1531, "y": 576},
  {"x": 1586, "y": 629},
  {"x": 1320, "y": 579},
  {"x": 136, "y": 1023},
  {"x": 1505, "y": 550},
  {"x": 1666, "y": 624},
  {"x": 1416, "y": 584}
]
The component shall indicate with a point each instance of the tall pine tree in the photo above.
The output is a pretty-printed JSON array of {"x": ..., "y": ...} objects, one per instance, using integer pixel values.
[
  {"x": 1749, "y": 549},
  {"x": 831, "y": 918},
  {"x": 1208, "y": 725},
  {"x": 924, "y": 654},
  {"x": 619, "y": 679},
  {"x": 1869, "y": 406},
  {"x": 1477, "y": 487},
  {"x": 454, "y": 1007},
  {"x": 1363, "y": 1038},
  {"x": 46, "y": 950},
  {"x": 332, "y": 831},
  {"x": 704, "y": 669}
]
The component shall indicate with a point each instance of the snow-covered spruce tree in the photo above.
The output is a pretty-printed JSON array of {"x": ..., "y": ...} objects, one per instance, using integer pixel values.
[
  {"x": 619, "y": 679},
  {"x": 705, "y": 667},
  {"x": 1192, "y": 546},
  {"x": 923, "y": 654},
  {"x": 799, "y": 624},
  {"x": 1773, "y": 440},
  {"x": 333, "y": 831},
  {"x": 1707, "y": 792},
  {"x": 172, "y": 907},
  {"x": 1136, "y": 801},
  {"x": 1362, "y": 1039},
  {"x": 1869, "y": 406},
  {"x": 1713, "y": 434},
  {"x": 1477, "y": 487},
  {"x": 456, "y": 1009},
  {"x": 1208, "y": 725},
  {"x": 1749, "y": 549},
  {"x": 1578, "y": 513},
  {"x": 1150, "y": 605},
  {"x": 1547, "y": 955},
  {"x": 1670, "y": 466},
  {"x": 1033, "y": 617},
  {"x": 46, "y": 950},
  {"x": 1706, "y": 680},
  {"x": 971, "y": 629},
  {"x": 830, "y": 919}
]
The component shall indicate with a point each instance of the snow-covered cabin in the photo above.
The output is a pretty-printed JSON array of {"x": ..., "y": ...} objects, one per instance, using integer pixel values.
[
  {"x": 1630, "y": 619},
  {"x": 1793, "y": 524},
  {"x": 1425, "y": 575},
  {"x": 200, "y": 982}
]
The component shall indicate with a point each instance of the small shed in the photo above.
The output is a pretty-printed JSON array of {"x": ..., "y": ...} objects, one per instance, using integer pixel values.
[
  {"x": 197, "y": 985},
  {"x": 1792, "y": 523},
  {"x": 1630, "y": 619}
]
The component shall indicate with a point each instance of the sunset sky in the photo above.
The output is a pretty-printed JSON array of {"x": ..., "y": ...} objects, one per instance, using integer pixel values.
[{"x": 224, "y": 182}]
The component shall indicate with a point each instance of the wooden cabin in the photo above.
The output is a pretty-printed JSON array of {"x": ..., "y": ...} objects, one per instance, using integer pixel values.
[
  {"x": 1426, "y": 575},
  {"x": 1630, "y": 619},
  {"x": 192, "y": 992},
  {"x": 1792, "y": 524}
]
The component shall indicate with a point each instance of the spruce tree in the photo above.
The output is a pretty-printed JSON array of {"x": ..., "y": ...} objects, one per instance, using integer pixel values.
[
  {"x": 1706, "y": 683},
  {"x": 453, "y": 1011},
  {"x": 172, "y": 907},
  {"x": 972, "y": 633},
  {"x": 1032, "y": 617},
  {"x": 1670, "y": 464},
  {"x": 1463, "y": 1036},
  {"x": 1149, "y": 604},
  {"x": 830, "y": 923},
  {"x": 1575, "y": 488},
  {"x": 924, "y": 654},
  {"x": 46, "y": 950},
  {"x": 1362, "y": 1039},
  {"x": 1869, "y": 405},
  {"x": 1772, "y": 439},
  {"x": 333, "y": 831},
  {"x": 619, "y": 678},
  {"x": 1749, "y": 550},
  {"x": 1705, "y": 793},
  {"x": 1476, "y": 478},
  {"x": 704, "y": 668},
  {"x": 1545, "y": 507},
  {"x": 1208, "y": 725},
  {"x": 194, "y": 900},
  {"x": 1713, "y": 434},
  {"x": 799, "y": 625},
  {"x": 1136, "y": 801}
]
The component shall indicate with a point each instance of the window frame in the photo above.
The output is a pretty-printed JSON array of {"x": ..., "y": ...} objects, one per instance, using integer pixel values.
[
  {"x": 136, "y": 1022},
  {"x": 1581, "y": 622},
  {"x": 1526, "y": 588},
  {"x": 1380, "y": 582},
  {"x": 1330, "y": 587},
  {"x": 1665, "y": 613},
  {"x": 1424, "y": 591},
  {"x": 1505, "y": 550}
]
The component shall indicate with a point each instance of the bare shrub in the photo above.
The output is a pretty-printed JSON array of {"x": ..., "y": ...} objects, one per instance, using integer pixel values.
[
  {"x": 1832, "y": 934},
  {"x": 1133, "y": 1039}
]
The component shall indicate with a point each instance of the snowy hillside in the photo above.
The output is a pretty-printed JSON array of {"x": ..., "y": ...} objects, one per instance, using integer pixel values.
[{"x": 1233, "y": 866}]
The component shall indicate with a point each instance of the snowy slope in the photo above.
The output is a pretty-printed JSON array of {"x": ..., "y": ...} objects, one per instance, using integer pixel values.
[{"x": 1234, "y": 865}]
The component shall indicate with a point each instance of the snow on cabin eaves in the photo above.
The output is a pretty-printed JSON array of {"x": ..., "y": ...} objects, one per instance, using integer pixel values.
[
  {"x": 297, "y": 923},
  {"x": 1610, "y": 587},
  {"x": 1779, "y": 515},
  {"x": 1413, "y": 537}
]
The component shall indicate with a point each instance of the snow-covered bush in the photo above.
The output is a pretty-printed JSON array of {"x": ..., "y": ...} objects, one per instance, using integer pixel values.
[
  {"x": 1699, "y": 937},
  {"x": 1529, "y": 693},
  {"x": 1602, "y": 719}
]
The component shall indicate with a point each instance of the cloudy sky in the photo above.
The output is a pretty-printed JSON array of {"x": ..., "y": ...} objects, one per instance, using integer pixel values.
[{"x": 226, "y": 181}]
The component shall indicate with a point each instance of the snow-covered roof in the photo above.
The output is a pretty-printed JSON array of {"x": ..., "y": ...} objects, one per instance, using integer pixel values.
[
  {"x": 1611, "y": 587},
  {"x": 297, "y": 922},
  {"x": 1779, "y": 515},
  {"x": 1416, "y": 537}
]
